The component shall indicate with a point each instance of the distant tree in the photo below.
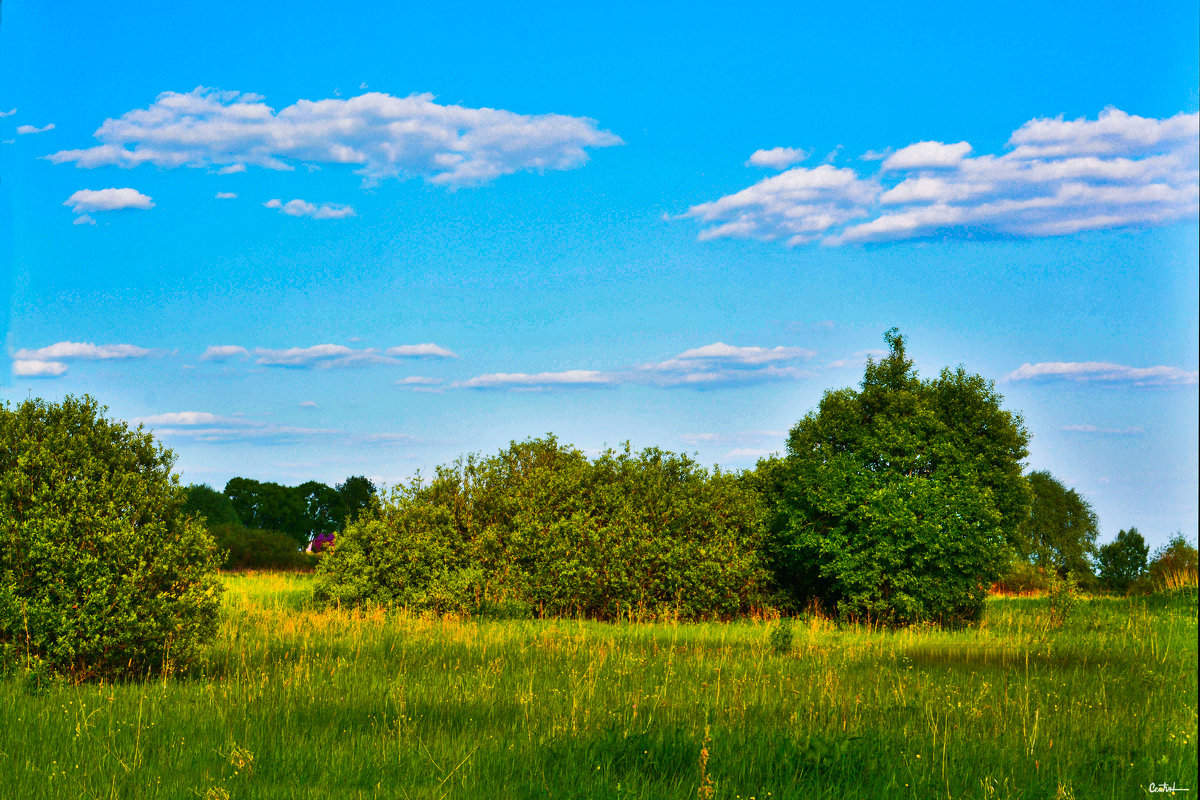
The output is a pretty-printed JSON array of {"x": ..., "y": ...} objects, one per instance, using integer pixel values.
[
  {"x": 900, "y": 500},
  {"x": 359, "y": 495},
  {"x": 1174, "y": 564},
  {"x": 204, "y": 501},
  {"x": 1123, "y": 560},
  {"x": 1060, "y": 530},
  {"x": 325, "y": 510},
  {"x": 270, "y": 506},
  {"x": 101, "y": 574}
]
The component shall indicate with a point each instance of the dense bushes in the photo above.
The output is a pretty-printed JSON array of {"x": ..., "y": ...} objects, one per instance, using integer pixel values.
[
  {"x": 540, "y": 528},
  {"x": 101, "y": 575},
  {"x": 253, "y": 548}
]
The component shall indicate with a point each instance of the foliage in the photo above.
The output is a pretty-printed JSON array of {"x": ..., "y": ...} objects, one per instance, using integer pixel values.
[
  {"x": 1022, "y": 578},
  {"x": 271, "y": 506},
  {"x": 1174, "y": 564},
  {"x": 359, "y": 497},
  {"x": 1061, "y": 528},
  {"x": 899, "y": 501},
  {"x": 1063, "y": 597},
  {"x": 254, "y": 548},
  {"x": 204, "y": 501},
  {"x": 101, "y": 574},
  {"x": 782, "y": 636},
  {"x": 539, "y": 525},
  {"x": 1123, "y": 560}
]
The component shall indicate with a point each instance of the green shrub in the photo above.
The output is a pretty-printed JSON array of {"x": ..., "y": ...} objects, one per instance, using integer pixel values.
[
  {"x": 1022, "y": 577},
  {"x": 101, "y": 575},
  {"x": 253, "y": 548},
  {"x": 1174, "y": 565},
  {"x": 538, "y": 526}
]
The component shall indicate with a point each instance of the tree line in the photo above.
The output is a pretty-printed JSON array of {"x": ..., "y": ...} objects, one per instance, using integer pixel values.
[
  {"x": 262, "y": 524},
  {"x": 903, "y": 500}
]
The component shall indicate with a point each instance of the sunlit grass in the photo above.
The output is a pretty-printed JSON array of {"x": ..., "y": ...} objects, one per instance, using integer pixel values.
[{"x": 291, "y": 701}]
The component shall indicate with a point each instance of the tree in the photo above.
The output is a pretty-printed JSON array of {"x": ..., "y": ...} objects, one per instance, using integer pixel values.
[
  {"x": 1061, "y": 528},
  {"x": 1123, "y": 560},
  {"x": 1174, "y": 564},
  {"x": 101, "y": 574},
  {"x": 303, "y": 512},
  {"x": 901, "y": 500},
  {"x": 204, "y": 501},
  {"x": 358, "y": 497}
]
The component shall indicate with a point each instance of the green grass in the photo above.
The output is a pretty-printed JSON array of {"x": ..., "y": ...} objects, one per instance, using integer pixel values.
[{"x": 295, "y": 703}]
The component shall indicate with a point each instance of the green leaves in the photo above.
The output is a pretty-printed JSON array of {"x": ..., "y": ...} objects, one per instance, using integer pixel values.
[
  {"x": 899, "y": 500},
  {"x": 101, "y": 575},
  {"x": 539, "y": 525}
]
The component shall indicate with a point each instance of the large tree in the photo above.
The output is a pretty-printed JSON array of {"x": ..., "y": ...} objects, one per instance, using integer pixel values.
[
  {"x": 1060, "y": 530},
  {"x": 901, "y": 500}
]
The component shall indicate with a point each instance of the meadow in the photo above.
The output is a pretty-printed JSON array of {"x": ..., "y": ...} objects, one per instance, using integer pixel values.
[{"x": 291, "y": 701}]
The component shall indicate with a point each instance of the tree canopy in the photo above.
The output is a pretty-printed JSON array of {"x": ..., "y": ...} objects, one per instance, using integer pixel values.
[
  {"x": 1061, "y": 528},
  {"x": 1123, "y": 560},
  {"x": 901, "y": 500}
]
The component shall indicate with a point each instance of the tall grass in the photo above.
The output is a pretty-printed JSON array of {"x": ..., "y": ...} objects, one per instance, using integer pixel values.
[{"x": 293, "y": 702}]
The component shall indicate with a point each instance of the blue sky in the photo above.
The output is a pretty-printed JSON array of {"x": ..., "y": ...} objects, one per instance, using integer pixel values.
[{"x": 302, "y": 242}]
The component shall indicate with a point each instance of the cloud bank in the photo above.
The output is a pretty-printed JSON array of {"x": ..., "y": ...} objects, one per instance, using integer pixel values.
[
  {"x": 327, "y": 356},
  {"x": 708, "y": 367},
  {"x": 383, "y": 136},
  {"x": 302, "y": 208},
  {"x": 1102, "y": 372},
  {"x": 51, "y": 361},
  {"x": 1058, "y": 177}
]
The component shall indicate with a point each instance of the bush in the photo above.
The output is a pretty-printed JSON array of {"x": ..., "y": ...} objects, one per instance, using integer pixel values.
[
  {"x": 253, "y": 548},
  {"x": 101, "y": 575},
  {"x": 1022, "y": 578},
  {"x": 538, "y": 526}
]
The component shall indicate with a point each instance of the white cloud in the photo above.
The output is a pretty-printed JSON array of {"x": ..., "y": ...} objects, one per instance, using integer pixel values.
[
  {"x": 84, "y": 219},
  {"x": 425, "y": 350},
  {"x": 418, "y": 380},
  {"x": 321, "y": 355},
  {"x": 302, "y": 208},
  {"x": 747, "y": 453},
  {"x": 24, "y": 130},
  {"x": 1102, "y": 372},
  {"x": 8, "y": 113},
  {"x": 49, "y": 362},
  {"x": 777, "y": 157},
  {"x": 382, "y": 135},
  {"x": 723, "y": 364},
  {"x": 737, "y": 438},
  {"x": 86, "y": 350},
  {"x": 232, "y": 169},
  {"x": 1135, "y": 431},
  {"x": 858, "y": 360},
  {"x": 35, "y": 368},
  {"x": 226, "y": 195},
  {"x": 221, "y": 352},
  {"x": 927, "y": 154},
  {"x": 1058, "y": 177},
  {"x": 539, "y": 381},
  {"x": 204, "y": 426},
  {"x": 308, "y": 403},
  {"x": 91, "y": 200}
]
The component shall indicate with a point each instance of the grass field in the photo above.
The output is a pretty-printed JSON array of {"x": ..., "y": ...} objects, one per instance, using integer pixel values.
[{"x": 290, "y": 702}]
